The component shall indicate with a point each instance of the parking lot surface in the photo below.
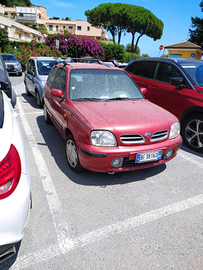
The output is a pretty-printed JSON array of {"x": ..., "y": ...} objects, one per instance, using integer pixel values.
[{"x": 147, "y": 219}]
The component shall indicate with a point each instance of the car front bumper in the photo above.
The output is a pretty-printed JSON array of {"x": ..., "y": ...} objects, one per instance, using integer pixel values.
[{"x": 99, "y": 159}]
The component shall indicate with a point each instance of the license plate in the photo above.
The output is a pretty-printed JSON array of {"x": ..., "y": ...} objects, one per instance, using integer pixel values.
[{"x": 148, "y": 156}]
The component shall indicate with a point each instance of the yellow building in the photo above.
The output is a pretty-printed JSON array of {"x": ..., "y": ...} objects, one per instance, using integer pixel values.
[{"x": 184, "y": 49}]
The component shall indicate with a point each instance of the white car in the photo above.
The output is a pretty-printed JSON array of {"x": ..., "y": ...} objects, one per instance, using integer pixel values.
[{"x": 15, "y": 198}]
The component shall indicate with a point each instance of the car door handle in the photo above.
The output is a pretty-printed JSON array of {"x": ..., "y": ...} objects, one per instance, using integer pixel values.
[{"x": 152, "y": 87}]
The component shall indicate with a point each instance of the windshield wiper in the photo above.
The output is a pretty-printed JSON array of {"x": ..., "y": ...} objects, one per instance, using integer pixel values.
[{"x": 88, "y": 99}]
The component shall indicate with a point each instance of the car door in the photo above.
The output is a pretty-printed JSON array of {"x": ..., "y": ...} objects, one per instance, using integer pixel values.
[
  {"x": 56, "y": 103},
  {"x": 142, "y": 73},
  {"x": 47, "y": 90},
  {"x": 30, "y": 76},
  {"x": 166, "y": 94}
]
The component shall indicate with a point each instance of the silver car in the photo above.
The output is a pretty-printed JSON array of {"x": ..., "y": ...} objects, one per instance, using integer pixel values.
[
  {"x": 13, "y": 66},
  {"x": 36, "y": 73}
]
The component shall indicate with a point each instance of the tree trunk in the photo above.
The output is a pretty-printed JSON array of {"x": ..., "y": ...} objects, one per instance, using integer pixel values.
[
  {"x": 133, "y": 38},
  {"x": 119, "y": 37},
  {"x": 137, "y": 42},
  {"x": 113, "y": 35}
]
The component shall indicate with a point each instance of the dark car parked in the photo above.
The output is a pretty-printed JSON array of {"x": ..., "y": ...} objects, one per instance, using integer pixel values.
[
  {"x": 36, "y": 73},
  {"x": 177, "y": 86},
  {"x": 13, "y": 66},
  {"x": 6, "y": 83}
]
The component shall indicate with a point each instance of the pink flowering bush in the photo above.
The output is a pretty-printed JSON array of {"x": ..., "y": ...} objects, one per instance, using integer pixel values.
[
  {"x": 27, "y": 52},
  {"x": 74, "y": 46}
]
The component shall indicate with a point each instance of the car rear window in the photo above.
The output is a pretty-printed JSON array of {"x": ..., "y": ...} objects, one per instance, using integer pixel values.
[{"x": 101, "y": 84}]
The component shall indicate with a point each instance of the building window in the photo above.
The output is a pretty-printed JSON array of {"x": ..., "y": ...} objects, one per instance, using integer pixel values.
[
  {"x": 70, "y": 27},
  {"x": 64, "y": 27},
  {"x": 5, "y": 13},
  {"x": 6, "y": 27},
  {"x": 38, "y": 38},
  {"x": 57, "y": 27},
  {"x": 50, "y": 27},
  {"x": 79, "y": 27},
  {"x": 88, "y": 28},
  {"x": 20, "y": 14}
]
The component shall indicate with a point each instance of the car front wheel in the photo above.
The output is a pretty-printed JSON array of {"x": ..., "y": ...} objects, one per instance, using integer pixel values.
[
  {"x": 39, "y": 103},
  {"x": 192, "y": 132},
  {"x": 72, "y": 155},
  {"x": 46, "y": 116}
]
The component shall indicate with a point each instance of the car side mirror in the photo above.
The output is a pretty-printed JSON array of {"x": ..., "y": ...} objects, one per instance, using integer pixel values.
[
  {"x": 57, "y": 93},
  {"x": 4, "y": 85},
  {"x": 31, "y": 72},
  {"x": 177, "y": 81},
  {"x": 143, "y": 91}
]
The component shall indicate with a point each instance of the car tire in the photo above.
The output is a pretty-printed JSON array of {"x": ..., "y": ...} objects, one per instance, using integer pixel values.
[
  {"x": 27, "y": 91},
  {"x": 39, "y": 102},
  {"x": 192, "y": 132},
  {"x": 13, "y": 98},
  {"x": 46, "y": 116},
  {"x": 72, "y": 155}
]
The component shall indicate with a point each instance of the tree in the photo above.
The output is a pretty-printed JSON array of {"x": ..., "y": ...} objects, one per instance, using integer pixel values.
[
  {"x": 118, "y": 18},
  {"x": 129, "y": 49},
  {"x": 142, "y": 21},
  {"x": 196, "y": 35},
  {"x": 4, "y": 41}
]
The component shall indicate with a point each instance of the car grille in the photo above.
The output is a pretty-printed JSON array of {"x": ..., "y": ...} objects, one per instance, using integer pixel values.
[
  {"x": 132, "y": 139},
  {"x": 136, "y": 138},
  {"x": 158, "y": 136}
]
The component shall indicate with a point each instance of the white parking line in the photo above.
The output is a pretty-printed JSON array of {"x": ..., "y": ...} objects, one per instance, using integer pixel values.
[
  {"x": 66, "y": 244},
  {"x": 54, "y": 205},
  {"x": 198, "y": 161},
  {"x": 108, "y": 231}
]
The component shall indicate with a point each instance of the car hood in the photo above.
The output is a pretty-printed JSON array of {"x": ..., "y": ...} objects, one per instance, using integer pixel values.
[{"x": 138, "y": 116}]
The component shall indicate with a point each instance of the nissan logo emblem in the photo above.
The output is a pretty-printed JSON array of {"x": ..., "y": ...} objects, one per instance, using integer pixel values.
[{"x": 147, "y": 134}]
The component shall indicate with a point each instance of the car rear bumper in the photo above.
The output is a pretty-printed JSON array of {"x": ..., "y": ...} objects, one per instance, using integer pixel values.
[
  {"x": 15, "y": 211},
  {"x": 99, "y": 158}
]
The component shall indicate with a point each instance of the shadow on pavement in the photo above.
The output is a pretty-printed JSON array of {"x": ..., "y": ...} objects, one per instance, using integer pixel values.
[{"x": 56, "y": 145}]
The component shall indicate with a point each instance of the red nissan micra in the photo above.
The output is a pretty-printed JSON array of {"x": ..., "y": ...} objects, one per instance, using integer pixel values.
[{"x": 106, "y": 122}]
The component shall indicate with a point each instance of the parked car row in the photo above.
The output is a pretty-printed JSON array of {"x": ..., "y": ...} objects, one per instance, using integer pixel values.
[{"x": 177, "y": 86}]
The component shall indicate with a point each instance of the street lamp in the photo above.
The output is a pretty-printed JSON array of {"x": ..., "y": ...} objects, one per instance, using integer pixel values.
[{"x": 66, "y": 41}]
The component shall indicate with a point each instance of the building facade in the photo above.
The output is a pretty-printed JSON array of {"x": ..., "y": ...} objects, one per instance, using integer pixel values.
[{"x": 36, "y": 15}]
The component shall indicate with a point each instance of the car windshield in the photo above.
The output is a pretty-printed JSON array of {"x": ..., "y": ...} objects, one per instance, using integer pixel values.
[
  {"x": 45, "y": 66},
  {"x": 101, "y": 84},
  {"x": 195, "y": 71},
  {"x": 9, "y": 57}
]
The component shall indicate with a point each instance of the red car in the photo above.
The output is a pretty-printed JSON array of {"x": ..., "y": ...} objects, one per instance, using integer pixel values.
[
  {"x": 177, "y": 86},
  {"x": 106, "y": 122}
]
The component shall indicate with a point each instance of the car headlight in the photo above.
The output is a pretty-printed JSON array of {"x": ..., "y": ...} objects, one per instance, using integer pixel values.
[
  {"x": 175, "y": 130},
  {"x": 102, "y": 138},
  {"x": 17, "y": 65}
]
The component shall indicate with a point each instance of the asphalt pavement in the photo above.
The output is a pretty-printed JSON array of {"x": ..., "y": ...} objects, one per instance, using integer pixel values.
[{"x": 150, "y": 219}]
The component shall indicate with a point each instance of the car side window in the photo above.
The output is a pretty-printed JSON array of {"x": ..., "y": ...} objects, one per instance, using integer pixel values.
[
  {"x": 51, "y": 77},
  {"x": 167, "y": 71},
  {"x": 144, "y": 69},
  {"x": 60, "y": 80}
]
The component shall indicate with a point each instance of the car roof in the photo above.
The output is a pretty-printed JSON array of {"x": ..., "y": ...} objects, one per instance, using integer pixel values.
[
  {"x": 43, "y": 58},
  {"x": 89, "y": 66},
  {"x": 172, "y": 60}
]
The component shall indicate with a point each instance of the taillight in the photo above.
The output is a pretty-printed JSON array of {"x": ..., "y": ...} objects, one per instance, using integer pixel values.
[{"x": 10, "y": 171}]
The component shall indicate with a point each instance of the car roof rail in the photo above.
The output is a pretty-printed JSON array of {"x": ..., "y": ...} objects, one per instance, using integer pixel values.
[
  {"x": 100, "y": 60},
  {"x": 67, "y": 61},
  {"x": 58, "y": 60}
]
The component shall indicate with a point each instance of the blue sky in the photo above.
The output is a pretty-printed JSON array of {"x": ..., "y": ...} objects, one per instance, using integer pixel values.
[{"x": 175, "y": 15}]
